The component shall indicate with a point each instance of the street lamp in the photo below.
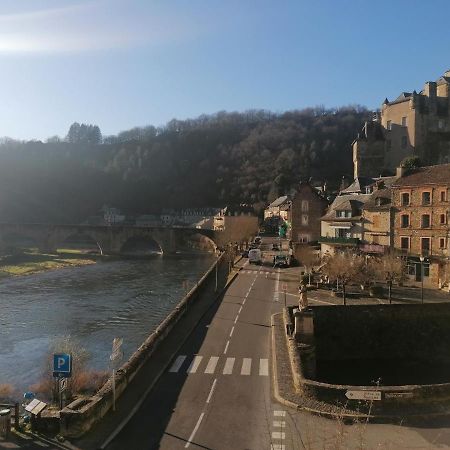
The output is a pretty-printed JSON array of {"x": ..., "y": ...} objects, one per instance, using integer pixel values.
[{"x": 422, "y": 258}]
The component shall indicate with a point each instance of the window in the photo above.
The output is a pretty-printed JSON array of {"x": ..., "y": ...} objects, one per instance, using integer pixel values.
[
  {"x": 405, "y": 198},
  {"x": 425, "y": 222},
  {"x": 305, "y": 205},
  {"x": 441, "y": 242},
  {"x": 404, "y": 121},
  {"x": 425, "y": 246},
  {"x": 443, "y": 196},
  {"x": 388, "y": 145},
  {"x": 342, "y": 213},
  {"x": 404, "y": 220},
  {"x": 404, "y": 243},
  {"x": 303, "y": 238},
  {"x": 404, "y": 141},
  {"x": 426, "y": 198},
  {"x": 389, "y": 125},
  {"x": 442, "y": 219},
  {"x": 305, "y": 219}
]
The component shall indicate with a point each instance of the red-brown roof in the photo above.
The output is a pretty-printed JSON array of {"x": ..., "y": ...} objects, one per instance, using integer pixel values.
[{"x": 425, "y": 176}]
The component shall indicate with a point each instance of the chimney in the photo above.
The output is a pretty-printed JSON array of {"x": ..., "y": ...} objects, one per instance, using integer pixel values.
[
  {"x": 447, "y": 73},
  {"x": 430, "y": 89},
  {"x": 400, "y": 171}
]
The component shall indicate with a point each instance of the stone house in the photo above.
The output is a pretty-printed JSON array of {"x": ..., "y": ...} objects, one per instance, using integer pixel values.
[
  {"x": 278, "y": 208},
  {"x": 414, "y": 124},
  {"x": 420, "y": 198},
  {"x": 307, "y": 208},
  {"x": 378, "y": 218}
]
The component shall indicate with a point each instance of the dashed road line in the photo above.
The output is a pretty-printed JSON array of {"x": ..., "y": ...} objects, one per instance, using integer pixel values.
[
  {"x": 278, "y": 435},
  {"x": 212, "y": 390},
  {"x": 226, "y": 347},
  {"x": 231, "y": 332},
  {"x": 191, "y": 437}
]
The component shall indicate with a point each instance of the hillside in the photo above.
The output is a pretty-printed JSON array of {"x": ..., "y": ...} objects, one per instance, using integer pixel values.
[{"x": 226, "y": 158}]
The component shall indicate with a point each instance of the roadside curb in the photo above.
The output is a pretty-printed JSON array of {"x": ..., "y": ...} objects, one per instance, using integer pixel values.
[
  {"x": 166, "y": 366},
  {"x": 329, "y": 414}
]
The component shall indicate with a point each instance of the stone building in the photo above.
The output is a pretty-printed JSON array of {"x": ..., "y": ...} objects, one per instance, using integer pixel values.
[
  {"x": 360, "y": 218},
  {"x": 420, "y": 199},
  {"x": 414, "y": 124},
  {"x": 307, "y": 208}
]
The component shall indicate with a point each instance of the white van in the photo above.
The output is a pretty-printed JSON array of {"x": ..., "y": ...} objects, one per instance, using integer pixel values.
[{"x": 254, "y": 256}]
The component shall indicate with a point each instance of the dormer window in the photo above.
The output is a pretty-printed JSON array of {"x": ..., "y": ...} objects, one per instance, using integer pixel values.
[
  {"x": 378, "y": 201},
  {"x": 343, "y": 213}
]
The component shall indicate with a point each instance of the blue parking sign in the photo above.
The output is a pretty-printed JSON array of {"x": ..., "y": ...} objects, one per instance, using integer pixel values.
[{"x": 62, "y": 365}]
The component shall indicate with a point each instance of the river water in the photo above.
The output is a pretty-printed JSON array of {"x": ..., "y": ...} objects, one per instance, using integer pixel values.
[{"x": 94, "y": 304}]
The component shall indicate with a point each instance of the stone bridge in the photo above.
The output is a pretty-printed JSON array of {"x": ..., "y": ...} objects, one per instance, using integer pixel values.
[{"x": 111, "y": 239}]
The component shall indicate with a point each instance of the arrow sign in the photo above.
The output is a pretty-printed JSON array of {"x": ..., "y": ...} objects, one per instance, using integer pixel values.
[{"x": 363, "y": 395}]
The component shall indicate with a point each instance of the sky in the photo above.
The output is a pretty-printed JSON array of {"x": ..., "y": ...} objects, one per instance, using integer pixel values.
[{"x": 126, "y": 63}]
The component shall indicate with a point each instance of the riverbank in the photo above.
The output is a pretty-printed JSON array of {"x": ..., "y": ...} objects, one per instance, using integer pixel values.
[{"x": 31, "y": 262}]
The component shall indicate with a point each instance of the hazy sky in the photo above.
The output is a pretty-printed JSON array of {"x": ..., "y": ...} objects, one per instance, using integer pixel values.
[{"x": 122, "y": 63}]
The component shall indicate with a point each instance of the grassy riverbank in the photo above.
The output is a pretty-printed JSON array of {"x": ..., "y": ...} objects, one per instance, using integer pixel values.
[{"x": 30, "y": 262}]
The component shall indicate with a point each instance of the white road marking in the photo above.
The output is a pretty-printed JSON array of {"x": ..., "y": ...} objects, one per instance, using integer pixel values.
[
  {"x": 194, "y": 364},
  {"x": 212, "y": 363},
  {"x": 264, "y": 367},
  {"x": 278, "y": 435},
  {"x": 321, "y": 301},
  {"x": 277, "y": 447},
  {"x": 211, "y": 391},
  {"x": 235, "y": 320},
  {"x": 226, "y": 347},
  {"x": 246, "y": 366},
  {"x": 177, "y": 364},
  {"x": 231, "y": 332},
  {"x": 243, "y": 302},
  {"x": 279, "y": 413},
  {"x": 279, "y": 423},
  {"x": 240, "y": 309},
  {"x": 191, "y": 437},
  {"x": 276, "y": 296},
  {"x": 228, "y": 369}
]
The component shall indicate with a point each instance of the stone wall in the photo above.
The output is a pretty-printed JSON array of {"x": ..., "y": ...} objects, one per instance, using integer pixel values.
[{"x": 383, "y": 331}]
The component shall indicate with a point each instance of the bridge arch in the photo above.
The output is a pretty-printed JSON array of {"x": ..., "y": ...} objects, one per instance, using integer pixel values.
[{"x": 141, "y": 245}]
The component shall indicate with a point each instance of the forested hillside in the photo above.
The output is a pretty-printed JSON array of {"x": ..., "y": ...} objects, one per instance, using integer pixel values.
[{"x": 226, "y": 158}]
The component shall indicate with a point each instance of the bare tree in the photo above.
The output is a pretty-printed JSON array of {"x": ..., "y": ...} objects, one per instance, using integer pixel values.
[
  {"x": 343, "y": 268},
  {"x": 391, "y": 268},
  {"x": 308, "y": 257}
]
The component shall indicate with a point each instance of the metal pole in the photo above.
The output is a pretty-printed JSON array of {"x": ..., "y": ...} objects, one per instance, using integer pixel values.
[
  {"x": 114, "y": 388},
  {"x": 285, "y": 299},
  {"x": 421, "y": 291},
  {"x": 217, "y": 262},
  {"x": 60, "y": 394}
]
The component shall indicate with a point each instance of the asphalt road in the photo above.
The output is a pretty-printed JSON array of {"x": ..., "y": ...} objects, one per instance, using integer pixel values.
[{"x": 216, "y": 394}]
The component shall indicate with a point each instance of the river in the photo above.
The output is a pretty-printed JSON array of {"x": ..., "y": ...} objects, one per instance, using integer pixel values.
[{"x": 93, "y": 304}]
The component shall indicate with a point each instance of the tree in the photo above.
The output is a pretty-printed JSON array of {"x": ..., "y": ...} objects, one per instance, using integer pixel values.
[
  {"x": 343, "y": 267},
  {"x": 411, "y": 162},
  {"x": 308, "y": 257},
  {"x": 391, "y": 268}
]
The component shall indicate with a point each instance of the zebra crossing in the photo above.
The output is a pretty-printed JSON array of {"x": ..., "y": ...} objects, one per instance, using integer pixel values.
[
  {"x": 216, "y": 364},
  {"x": 279, "y": 433}
]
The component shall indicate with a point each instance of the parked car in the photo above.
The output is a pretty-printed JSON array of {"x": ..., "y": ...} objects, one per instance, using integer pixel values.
[
  {"x": 244, "y": 254},
  {"x": 257, "y": 240},
  {"x": 281, "y": 261},
  {"x": 275, "y": 247}
]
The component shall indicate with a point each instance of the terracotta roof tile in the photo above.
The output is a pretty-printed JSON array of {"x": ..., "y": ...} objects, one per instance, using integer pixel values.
[{"x": 428, "y": 175}]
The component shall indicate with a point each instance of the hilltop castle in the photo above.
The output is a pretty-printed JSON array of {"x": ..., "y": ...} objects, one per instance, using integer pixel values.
[{"x": 414, "y": 124}]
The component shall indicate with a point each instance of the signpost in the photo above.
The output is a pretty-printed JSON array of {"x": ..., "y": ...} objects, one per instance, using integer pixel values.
[
  {"x": 62, "y": 365},
  {"x": 116, "y": 358},
  {"x": 284, "y": 289},
  {"x": 62, "y": 369},
  {"x": 363, "y": 395}
]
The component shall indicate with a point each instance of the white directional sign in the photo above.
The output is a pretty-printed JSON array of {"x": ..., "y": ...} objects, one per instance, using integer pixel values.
[{"x": 363, "y": 395}]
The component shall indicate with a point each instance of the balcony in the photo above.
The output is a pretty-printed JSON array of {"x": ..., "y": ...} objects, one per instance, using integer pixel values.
[{"x": 338, "y": 240}]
